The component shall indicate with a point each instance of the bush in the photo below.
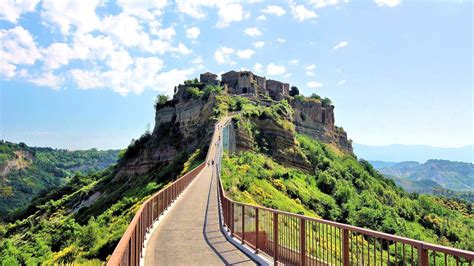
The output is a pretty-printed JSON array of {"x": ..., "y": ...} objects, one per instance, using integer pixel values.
[
  {"x": 315, "y": 96},
  {"x": 326, "y": 102},
  {"x": 294, "y": 91},
  {"x": 160, "y": 100},
  {"x": 195, "y": 92}
]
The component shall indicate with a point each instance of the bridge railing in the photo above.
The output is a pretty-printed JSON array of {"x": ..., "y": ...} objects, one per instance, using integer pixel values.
[
  {"x": 130, "y": 247},
  {"x": 295, "y": 239}
]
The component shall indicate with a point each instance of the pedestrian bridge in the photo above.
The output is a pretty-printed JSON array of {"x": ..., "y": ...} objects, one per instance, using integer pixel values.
[{"x": 192, "y": 222}]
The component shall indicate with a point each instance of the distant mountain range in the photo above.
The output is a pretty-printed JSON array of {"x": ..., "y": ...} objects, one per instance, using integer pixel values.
[
  {"x": 443, "y": 177},
  {"x": 418, "y": 153}
]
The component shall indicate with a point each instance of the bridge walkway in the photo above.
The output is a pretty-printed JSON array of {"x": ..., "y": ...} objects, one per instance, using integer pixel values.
[{"x": 190, "y": 233}]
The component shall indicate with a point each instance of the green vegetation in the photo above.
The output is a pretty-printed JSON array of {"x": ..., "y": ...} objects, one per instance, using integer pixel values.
[
  {"x": 315, "y": 96},
  {"x": 204, "y": 94},
  {"x": 294, "y": 91},
  {"x": 326, "y": 102},
  {"x": 160, "y": 100},
  {"x": 26, "y": 172},
  {"x": 72, "y": 224}
]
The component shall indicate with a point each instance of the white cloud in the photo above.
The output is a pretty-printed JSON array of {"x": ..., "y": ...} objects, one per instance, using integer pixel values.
[
  {"x": 119, "y": 60},
  {"x": 287, "y": 75},
  {"x": 223, "y": 55},
  {"x": 259, "y": 44},
  {"x": 198, "y": 62},
  {"x": 274, "y": 10},
  {"x": 166, "y": 34},
  {"x": 253, "y": 32},
  {"x": 314, "y": 84},
  {"x": 258, "y": 67},
  {"x": 261, "y": 17},
  {"x": 301, "y": 13},
  {"x": 144, "y": 9},
  {"x": 17, "y": 47},
  {"x": 389, "y": 3},
  {"x": 192, "y": 33},
  {"x": 181, "y": 49},
  {"x": 309, "y": 73},
  {"x": 293, "y": 62},
  {"x": 12, "y": 10},
  {"x": 67, "y": 13},
  {"x": 229, "y": 13},
  {"x": 341, "y": 82},
  {"x": 340, "y": 45},
  {"x": 311, "y": 67},
  {"x": 57, "y": 54},
  {"x": 126, "y": 29},
  {"x": 274, "y": 70},
  {"x": 324, "y": 3},
  {"x": 87, "y": 79},
  {"x": 245, "y": 54},
  {"x": 281, "y": 40},
  {"x": 48, "y": 79},
  {"x": 165, "y": 81}
]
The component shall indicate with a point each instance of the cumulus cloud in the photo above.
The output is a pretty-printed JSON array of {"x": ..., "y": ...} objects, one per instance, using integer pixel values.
[
  {"x": 274, "y": 10},
  {"x": 261, "y": 17},
  {"x": 301, "y": 13},
  {"x": 228, "y": 11},
  {"x": 245, "y": 54},
  {"x": 12, "y": 10},
  {"x": 311, "y": 67},
  {"x": 341, "y": 82},
  {"x": 388, "y": 3},
  {"x": 281, "y": 40},
  {"x": 192, "y": 33},
  {"x": 314, "y": 84},
  {"x": 324, "y": 3},
  {"x": 69, "y": 14},
  {"x": 259, "y": 44},
  {"x": 274, "y": 69},
  {"x": 258, "y": 67},
  {"x": 144, "y": 9},
  {"x": 253, "y": 32},
  {"x": 223, "y": 55},
  {"x": 17, "y": 47},
  {"x": 340, "y": 45},
  {"x": 48, "y": 79}
]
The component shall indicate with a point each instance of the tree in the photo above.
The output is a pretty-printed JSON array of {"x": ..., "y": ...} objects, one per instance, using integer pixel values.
[
  {"x": 294, "y": 91},
  {"x": 326, "y": 102}
]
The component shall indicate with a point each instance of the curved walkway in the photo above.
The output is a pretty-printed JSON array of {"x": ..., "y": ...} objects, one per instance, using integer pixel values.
[{"x": 190, "y": 233}]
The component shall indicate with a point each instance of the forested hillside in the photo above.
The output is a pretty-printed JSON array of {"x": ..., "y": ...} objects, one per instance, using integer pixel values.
[
  {"x": 26, "y": 172},
  {"x": 336, "y": 186}
]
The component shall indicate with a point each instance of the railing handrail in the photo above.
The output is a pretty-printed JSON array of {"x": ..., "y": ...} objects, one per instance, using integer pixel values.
[
  {"x": 421, "y": 244},
  {"x": 122, "y": 245}
]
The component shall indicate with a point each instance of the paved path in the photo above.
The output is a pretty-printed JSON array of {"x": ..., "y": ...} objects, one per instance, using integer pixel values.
[{"x": 190, "y": 233}]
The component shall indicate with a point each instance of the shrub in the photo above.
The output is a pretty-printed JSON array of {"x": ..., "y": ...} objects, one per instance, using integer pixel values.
[
  {"x": 160, "y": 100},
  {"x": 315, "y": 96},
  {"x": 326, "y": 102},
  {"x": 294, "y": 91},
  {"x": 195, "y": 92}
]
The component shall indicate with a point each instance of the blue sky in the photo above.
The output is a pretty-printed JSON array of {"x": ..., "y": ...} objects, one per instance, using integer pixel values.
[{"x": 85, "y": 75}]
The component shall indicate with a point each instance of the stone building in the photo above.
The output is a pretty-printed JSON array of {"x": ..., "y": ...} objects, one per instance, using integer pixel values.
[
  {"x": 209, "y": 78},
  {"x": 277, "y": 90}
]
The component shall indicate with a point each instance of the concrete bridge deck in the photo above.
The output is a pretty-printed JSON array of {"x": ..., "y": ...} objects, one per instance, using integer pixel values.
[{"x": 190, "y": 233}]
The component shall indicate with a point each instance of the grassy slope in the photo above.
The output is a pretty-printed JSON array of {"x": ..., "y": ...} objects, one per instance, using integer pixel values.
[{"x": 349, "y": 191}]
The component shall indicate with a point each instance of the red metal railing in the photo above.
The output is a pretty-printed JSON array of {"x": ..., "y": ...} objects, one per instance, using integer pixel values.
[
  {"x": 129, "y": 249},
  {"x": 295, "y": 239}
]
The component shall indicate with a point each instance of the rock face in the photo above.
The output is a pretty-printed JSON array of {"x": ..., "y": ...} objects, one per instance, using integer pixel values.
[
  {"x": 313, "y": 119},
  {"x": 180, "y": 126}
]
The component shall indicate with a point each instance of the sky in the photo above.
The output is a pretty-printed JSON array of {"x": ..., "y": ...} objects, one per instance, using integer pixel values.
[{"x": 84, "y": 74}]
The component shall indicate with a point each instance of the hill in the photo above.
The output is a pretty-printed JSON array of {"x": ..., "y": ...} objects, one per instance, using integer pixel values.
[
  {"x": 26, "y": 172},
  {"x": 441, "y": 177},
  {"x": 287, "y": 153},
  {"x": 418, "y": 153}
]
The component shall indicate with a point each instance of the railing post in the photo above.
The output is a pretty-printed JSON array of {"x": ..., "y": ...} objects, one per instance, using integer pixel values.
[
  {"x": 243, "y": 223},
  {"x": 256, "y": 230},
  {"x": 275, "y": 238},
  {"x": 345, "y": 247},
  {"x": 422, "y": 256},
  {"x": 303, "y": 241},
  {"x": 232, "y": 218}
]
